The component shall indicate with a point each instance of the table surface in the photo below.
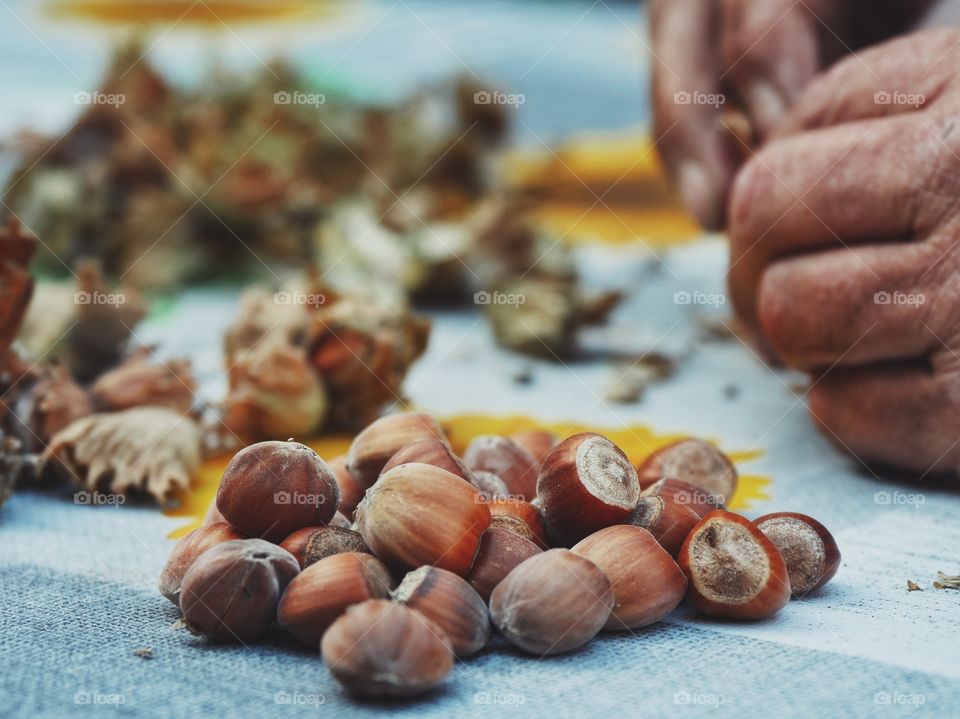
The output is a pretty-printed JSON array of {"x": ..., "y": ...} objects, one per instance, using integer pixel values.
[{"x": 80, "y": 582}]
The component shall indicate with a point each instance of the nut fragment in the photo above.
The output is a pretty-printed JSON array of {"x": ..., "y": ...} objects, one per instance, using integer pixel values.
[
  {"x": 272, "y": 489},
  {"x": 647, "y": 583},
  {"x": 375, "y": 445},
  {"x": 324, "y": 590},
  {"x": 452, "y": 603},
  {"x": 733, "y": 568},
  {"x": 187, "y": 551},
  {"x": 587, "y": 483},
  {"x": 500, "y": 551},
  {"x": 418, "y": 514},
  {"x": 515, "y": 466},
  {"x": 554, "y": 602},
  {"x": 232, "y": 590},
  {"x": 695, "y": 461},
  {"x": 667, "y": 520},
  {"x": 382, "y": 649},
  {"x": 311, "y": 544},
  {"x": 808, "y": 548}
]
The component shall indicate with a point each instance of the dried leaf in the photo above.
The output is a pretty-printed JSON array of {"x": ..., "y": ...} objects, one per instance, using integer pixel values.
[{"x": 143, "y": 381}]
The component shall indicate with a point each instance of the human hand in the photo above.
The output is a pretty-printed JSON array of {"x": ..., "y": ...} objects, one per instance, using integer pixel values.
[
  {"x": 845, "y": 249},
  {"x": 757, "y": 55}
]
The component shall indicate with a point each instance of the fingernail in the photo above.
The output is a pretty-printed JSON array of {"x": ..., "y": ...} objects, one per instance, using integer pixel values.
[
  {"x": 698, "y": 193},
  {"x": 767, "y": 104}
]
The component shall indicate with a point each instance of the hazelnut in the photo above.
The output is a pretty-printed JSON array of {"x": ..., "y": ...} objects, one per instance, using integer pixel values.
[
  {"x": 450, "y": 602},
  {"x": 537, "y": 442},
  {"x": 489, "y": 484},
  {"x": 694, "y": 461},
  {"x": 515, "y": 466},
  {"x": 340, "y": 520},
  {"x": 733, "y": 568},
  {"x": 232, "y": 590},
  {"x": 271, "y": 489},
  {"x": 311, "y": 544},
  {"x": 324, "y": 590},
  {"x": 686, "y": 494},
  {"x": 351, "y": 491},
  {"x": 587, "y": 483},
  {"x": 647, "y": 583},
  {"x": 531, "y": 523},
  {"x": 432, "y": 451},
  {"x": 419, "y": 514},
  {"x": 213, "y": 514},
  {"x": 187, "y": 550},
  {"x": 375, "y": 445},
  {"x": 666, "y": 519},
  {"x": 553, "y": 602},
  {"x": 807, "y": 547},
  {"x": 384, "y": 649},
  {"x": 500, "y": 551}
]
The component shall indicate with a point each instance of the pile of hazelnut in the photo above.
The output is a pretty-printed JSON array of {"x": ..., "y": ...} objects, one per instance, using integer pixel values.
[{"x": 549, "y": 541}]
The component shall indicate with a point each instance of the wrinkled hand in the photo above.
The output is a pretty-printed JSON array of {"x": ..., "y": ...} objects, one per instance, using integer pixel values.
[
  {"x": 845, "y": 249},
  {"x": 757, "y": 55}
]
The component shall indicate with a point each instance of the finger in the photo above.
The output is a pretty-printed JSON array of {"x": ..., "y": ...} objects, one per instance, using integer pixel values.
[
  {"x": 861, "y": 182},
  {"x": 691, "y": 139},
  {"x": 770, "y": 51},
  {"x": 849, "y": 306},
  {"x": 900, "y": 415},
  {"x": 900, "y": 76}
]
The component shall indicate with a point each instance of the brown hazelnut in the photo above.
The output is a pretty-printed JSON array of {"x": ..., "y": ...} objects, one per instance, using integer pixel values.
[
  {"x": 187, "y": 550},
  {"x": 340, "y": 520},
  {"x": 351, "y": 491},
  {"x": 324, "y": 590},
  {"x": 375, "y": 445},
  {"x": 272, "y": 489},
  {"x": 419, "y": 514},
  {"x": 809, "y": 550},
  {"x": 686, "y": 494},
  {"x": 515, "y": 466},
  {"x": 525, "y": 513},
  {"x": 553, "y": 602},
  {"x": 432, "y": 451},
  {"x": 733, "y": 568},
  {"x": 667, "y": 520},
  {"x": 384, "y": 649},
  {"x": 232, "y": 590},
  {"x": 694, "y": 461},
  {"x": 537, "y": 442},
  {"x": 500, "y": 551},
  {"x": 587, "y": 483},
  {"x": 647, "y": 583},
  {"x": 452, "y": 603},
  {"x": 213, "y": 514},
  {"x": 311, "y": 544}
]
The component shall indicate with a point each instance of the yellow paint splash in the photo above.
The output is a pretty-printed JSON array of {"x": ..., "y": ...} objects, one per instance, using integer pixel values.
[
  {"x": 636, "y": 440},
  {"x": 212, "y": 13}
]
